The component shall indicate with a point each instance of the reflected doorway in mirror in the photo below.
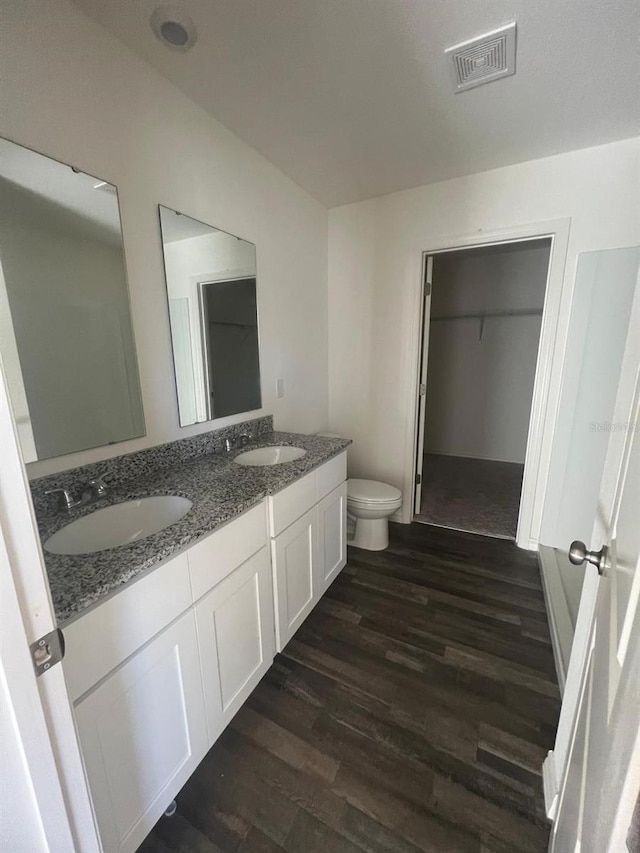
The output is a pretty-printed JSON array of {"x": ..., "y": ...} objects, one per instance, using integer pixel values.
[{"x": 213, "y": 312}]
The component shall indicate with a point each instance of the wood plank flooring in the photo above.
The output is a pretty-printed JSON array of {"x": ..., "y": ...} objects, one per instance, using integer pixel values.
[{"x": 411, "y": 712}]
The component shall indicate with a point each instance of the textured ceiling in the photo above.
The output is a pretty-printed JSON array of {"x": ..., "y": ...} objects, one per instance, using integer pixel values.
[{"x": 352, "y": 98}]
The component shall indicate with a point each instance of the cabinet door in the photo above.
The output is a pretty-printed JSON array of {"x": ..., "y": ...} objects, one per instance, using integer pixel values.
[
  {"x": 332, "y": 530},
  {"x": 236, "y": 639},
  {"x": 295, "y": 554},
  {"x": 143, "y": 733}
]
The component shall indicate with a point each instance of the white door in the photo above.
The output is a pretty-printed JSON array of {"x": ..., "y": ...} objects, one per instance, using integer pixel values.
[
  {"x": 294, "y": 555},
  {"x": 332, "y": 535},
  {"x": 602, "y": 778},
  {"x": 143, "y": 733},
  {"x": 422, "y": 387},
  {"x": 45, "y": 799},
  {"x": 602, "y": 301},
  {"x": 236, "y": 639},
  {"x": 605, "y": 288}
]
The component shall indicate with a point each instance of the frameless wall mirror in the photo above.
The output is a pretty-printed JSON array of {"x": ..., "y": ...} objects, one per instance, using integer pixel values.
[
  {"x": 66, "y": 339},
  {"x": 211, "y": 288}
]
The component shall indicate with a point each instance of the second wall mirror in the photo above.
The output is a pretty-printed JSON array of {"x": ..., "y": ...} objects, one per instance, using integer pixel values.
[{"x": 213, "y": 312}]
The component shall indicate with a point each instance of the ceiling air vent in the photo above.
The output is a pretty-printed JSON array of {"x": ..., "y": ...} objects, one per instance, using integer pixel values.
[{"x": 484, "y": 58}]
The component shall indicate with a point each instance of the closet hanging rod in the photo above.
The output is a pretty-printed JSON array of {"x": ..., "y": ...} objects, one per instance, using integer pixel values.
[
  {"x": 235, "y": 325},
  {"x": 533, "y": 312}
]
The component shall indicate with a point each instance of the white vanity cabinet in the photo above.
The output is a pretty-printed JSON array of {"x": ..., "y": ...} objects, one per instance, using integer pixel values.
[
  {"x": 295, "y": 556},
  {"x": 332, "y": 536},
  {"x": 308, "y": 528},
  {"x": 236, "y": 639},
  {"x": 158, "y": 670},
  {"x": 231, "y": 585},
  {"x": 143, "y": 733}
]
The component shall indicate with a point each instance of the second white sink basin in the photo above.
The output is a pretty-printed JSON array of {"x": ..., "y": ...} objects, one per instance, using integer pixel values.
[
  {"x": 120, "y": 524},
  {"x": 270, "y": 455}
]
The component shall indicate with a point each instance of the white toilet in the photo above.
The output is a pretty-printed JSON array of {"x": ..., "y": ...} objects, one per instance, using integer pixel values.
[{"x": 369, "y": 504}]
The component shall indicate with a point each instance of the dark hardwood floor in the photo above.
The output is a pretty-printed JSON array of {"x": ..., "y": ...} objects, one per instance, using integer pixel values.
[{"x": 411, "y": 712}]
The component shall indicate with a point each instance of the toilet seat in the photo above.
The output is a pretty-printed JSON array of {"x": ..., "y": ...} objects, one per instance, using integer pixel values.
[
  {"x": 379, "y": 506},
  {"x": 371, "y": 492}
]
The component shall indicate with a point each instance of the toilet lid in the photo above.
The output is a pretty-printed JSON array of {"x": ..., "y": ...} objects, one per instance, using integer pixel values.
[{"x": 371, "y": 491}]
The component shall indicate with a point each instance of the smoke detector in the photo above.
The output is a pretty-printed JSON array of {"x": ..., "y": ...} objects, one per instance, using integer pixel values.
[
  {"x": 484, "y": 58},
  {"x": 173, "y": 28}
]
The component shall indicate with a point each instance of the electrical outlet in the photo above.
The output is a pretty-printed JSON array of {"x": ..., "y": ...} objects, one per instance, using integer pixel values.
[{"x": 279, "y": 387}]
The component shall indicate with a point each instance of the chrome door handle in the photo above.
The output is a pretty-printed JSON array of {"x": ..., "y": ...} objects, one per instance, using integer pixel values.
[{"x": 578, "y": 555}]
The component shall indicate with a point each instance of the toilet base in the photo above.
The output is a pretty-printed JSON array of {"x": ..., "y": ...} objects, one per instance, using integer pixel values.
[{"x": 371, "y": 534}]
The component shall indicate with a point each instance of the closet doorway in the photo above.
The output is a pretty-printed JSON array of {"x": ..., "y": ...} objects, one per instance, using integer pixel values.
[{"x": 480, "y": 342}]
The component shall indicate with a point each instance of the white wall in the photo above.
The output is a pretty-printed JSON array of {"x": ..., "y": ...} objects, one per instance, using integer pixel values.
[
  {"x": 75, "y": 93},
  {"x": 374, "y": 251},
  {"x": 481, "y": 374}
]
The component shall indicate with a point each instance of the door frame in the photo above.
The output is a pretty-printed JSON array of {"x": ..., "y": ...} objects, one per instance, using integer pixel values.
[
  {"x": 421, "y": 408},
  {"x": 547, "y": 383},
  {"x": 43, "y": 720}
]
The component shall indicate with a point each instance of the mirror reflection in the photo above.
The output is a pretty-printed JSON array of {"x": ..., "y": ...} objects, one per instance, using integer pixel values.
[
  {"x": 66, "y": 339},
  {"x": 211, "y": 288}
]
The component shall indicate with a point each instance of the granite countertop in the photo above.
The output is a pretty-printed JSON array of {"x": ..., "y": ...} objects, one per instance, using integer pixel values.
[{"x": 219, "y": 491}]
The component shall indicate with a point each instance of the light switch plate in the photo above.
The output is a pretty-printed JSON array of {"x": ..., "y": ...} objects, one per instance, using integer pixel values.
[{"x": 279, "y": 387}]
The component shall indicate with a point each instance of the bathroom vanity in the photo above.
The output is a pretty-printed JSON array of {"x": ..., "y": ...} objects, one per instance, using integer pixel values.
[
  {"x": 157, "y": 666},
  {"x": 175, "y": 571}
]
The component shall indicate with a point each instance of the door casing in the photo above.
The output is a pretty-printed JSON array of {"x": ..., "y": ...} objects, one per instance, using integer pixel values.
[{"x": 546, "y": 390}]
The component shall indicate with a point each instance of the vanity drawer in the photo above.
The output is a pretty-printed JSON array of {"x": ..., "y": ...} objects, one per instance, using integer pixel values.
[
  {"x": 292, "y": 502},
  {"x": 218, "y": 554},
  {"x": 102, "y": 639},
  {"x": 331, "y": 474}
]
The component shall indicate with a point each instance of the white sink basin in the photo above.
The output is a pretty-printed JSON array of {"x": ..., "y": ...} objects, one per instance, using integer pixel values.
[
  {"x": 120, "y": 524},
  {"x": 270, "y": 455}
]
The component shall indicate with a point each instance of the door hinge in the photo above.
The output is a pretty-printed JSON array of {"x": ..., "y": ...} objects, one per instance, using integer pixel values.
[
  {"x": 427, "y": 283},
  {"x": 422, "y": 389},
  {"x": 418, "y": 479},
  {"x": 47, "y": 651}
]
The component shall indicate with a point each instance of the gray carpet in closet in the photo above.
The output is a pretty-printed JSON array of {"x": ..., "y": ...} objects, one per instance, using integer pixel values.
[{"x": 475, "y": 495}]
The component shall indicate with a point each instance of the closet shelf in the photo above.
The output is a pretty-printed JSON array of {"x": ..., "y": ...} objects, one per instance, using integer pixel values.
[{"x": 486, "y": 315}]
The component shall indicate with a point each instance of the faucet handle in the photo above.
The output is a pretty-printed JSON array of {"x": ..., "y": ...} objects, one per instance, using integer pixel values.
[
  {"x": 99, "y": 484},
  {"x": 67, "y": 501}
]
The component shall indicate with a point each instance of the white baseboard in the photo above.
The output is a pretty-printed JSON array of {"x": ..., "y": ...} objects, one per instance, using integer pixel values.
[
  {"x": 550, "y": 786},
  {"x": 560, "y": 623}
]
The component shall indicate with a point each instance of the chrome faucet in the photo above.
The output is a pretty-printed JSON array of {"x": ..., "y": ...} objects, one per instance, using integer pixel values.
[
  {"x": 92, "y": 491},
  {"x": 67, "y": 501},
  {"x": 98, "y": 487},
  {"x": 241, "y": 441}
]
